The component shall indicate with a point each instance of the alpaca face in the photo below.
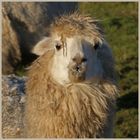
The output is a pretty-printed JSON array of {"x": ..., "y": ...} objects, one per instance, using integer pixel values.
[{"x": 75, "y": 60}]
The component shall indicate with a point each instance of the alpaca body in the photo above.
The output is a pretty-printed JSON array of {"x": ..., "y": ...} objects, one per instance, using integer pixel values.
[{"x": 71, "y": 88}]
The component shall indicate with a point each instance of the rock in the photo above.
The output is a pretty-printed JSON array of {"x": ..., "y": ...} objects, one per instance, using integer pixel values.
[
  {"x": 11, "y": 55},
  {"x": 24, "y": 24},
  {"x": 13, "y": 101}
]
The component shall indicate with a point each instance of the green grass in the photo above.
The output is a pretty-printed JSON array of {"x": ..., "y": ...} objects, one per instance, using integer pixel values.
[{"x": 125, "y": 124}]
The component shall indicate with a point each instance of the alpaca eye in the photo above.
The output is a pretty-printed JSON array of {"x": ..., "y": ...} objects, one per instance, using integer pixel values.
[
  {"x": 58, "y": 47},
  {"x": 84, "y": 59}
]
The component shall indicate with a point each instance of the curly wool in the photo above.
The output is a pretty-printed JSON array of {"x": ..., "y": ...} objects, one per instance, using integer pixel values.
[{"x": 77, "y": 110}]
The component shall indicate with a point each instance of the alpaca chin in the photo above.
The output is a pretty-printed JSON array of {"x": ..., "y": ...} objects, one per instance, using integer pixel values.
[{"x": 76, "y": 77}]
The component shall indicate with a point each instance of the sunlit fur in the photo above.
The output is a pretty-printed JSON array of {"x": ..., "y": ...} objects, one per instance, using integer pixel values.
[
  {"x": 76, "y": 109},
  {"x": 76, "y": 24}
]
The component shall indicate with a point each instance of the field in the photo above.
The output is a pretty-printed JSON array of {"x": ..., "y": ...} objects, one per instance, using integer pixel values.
[{"x": 120, "y": 24}]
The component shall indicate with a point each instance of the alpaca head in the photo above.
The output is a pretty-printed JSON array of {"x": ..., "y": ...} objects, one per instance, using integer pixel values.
[{"x": 75, "y": 40}]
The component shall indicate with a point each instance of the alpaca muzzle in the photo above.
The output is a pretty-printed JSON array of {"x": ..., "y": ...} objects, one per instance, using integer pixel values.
[{"x": 76, "y": 72}]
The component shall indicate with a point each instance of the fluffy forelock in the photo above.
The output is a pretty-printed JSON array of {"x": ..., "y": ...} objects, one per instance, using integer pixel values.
[{"x": 79, "y": 25}]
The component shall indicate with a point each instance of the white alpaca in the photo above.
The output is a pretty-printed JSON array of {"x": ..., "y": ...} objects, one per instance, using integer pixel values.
[{"x": 71, "y": 88}]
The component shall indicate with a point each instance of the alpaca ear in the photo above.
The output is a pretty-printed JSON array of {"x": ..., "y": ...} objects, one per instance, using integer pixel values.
[{"x": 42, "y": 46}]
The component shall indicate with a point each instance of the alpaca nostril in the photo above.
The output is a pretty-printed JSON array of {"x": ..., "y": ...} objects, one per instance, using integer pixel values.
[
  {"x": 77, "y": 68},
  {"x": 74, "y": 59}
]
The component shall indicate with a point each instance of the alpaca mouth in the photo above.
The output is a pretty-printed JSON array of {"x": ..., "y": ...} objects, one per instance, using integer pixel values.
[{"x": 77, "y": 75}]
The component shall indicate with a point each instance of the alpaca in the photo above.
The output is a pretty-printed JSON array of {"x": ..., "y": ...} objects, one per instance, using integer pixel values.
[{"x": 71, "y": 87}]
